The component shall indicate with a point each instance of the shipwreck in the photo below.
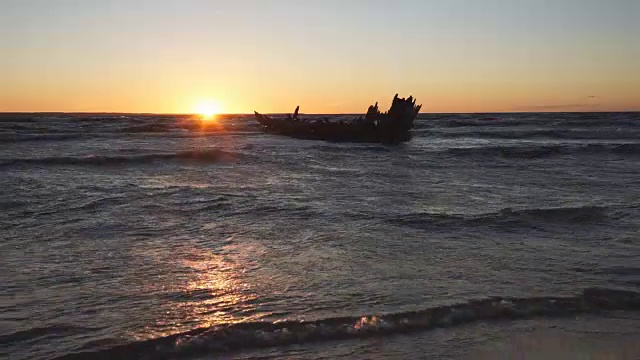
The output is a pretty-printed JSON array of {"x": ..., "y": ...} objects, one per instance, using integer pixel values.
[{"x": 391, "y": 127}]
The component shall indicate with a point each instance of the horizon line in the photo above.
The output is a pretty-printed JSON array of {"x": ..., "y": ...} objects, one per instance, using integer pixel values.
[{"x": 278, "y": 113}]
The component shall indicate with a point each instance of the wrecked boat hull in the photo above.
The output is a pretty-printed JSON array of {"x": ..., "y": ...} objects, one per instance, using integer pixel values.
[
  {"x": 311, "y": 132},
  {"x": 391, "y": 127}
]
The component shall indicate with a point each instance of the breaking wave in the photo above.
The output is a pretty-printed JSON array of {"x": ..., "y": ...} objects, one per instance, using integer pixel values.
[
  {"x": 50, "y": 331},
  {"x": 472, "y": 122},
  {"x": 594, "y": 134},
  {"x": 203, "y": 156},
  {"x": 573, "y": 120},
  {"x": 43, "y": 137},
  {"x": 534, "y": 152},
  {"x": 148, "y": 128},
  {"x": 508, "y": 216},
  {"x": 227, "y": 338}
]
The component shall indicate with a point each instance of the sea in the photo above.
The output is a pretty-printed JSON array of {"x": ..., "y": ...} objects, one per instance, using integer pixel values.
[{"x": 487, "y": 236}]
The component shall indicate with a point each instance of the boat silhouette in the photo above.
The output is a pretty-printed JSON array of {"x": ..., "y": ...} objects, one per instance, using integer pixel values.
[{"x": 391, "y": 127}]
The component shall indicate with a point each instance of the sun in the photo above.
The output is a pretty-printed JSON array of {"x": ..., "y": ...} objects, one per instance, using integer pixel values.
[{"x": 207, "y": 109}]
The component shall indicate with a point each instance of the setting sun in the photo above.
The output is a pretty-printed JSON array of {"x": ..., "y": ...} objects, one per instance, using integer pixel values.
[{"x": 207, "y": 109}]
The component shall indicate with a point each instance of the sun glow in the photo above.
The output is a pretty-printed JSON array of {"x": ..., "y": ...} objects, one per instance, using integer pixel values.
[{"x": 207, "y": 109}]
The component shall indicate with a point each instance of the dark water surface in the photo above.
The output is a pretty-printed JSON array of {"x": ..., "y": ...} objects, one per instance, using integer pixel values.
[{"x": 205, "y": 239}]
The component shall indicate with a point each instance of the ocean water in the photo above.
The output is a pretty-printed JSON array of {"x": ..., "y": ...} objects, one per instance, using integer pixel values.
[{"x": 159, "y": 237}]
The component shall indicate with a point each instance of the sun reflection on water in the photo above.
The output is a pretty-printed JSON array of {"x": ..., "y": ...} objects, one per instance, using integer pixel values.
[{"x": 205, "y": 289}]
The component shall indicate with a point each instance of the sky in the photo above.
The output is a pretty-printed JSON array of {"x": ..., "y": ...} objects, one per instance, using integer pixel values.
[{"x": 170, "y": 56}]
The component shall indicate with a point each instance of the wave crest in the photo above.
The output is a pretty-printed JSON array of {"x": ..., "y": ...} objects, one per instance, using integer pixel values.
[
  {"x": 59, "y": 330},
  {"x": 508, "y": 216},
  {"x": 148, "y": 128},
  {"x": 544, "y": 151},
  {"x": 203, "y": 156},
  {"x": 40, "y": 137},
  {"x": 234, "y": 337},
  {"x": 577, "y": 134}
]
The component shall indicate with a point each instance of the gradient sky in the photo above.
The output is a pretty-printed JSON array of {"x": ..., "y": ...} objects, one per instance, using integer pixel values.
[{"x": 166, "y": 56}]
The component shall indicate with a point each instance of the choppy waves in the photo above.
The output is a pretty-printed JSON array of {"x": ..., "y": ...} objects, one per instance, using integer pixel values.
[
  {"x": 338, "y": 226},
  {"x": 71, "y": 127},
  {"x": 200, "y": 156},
  {"x": 544, "y": 151},
  {"x": 216, "y": 155},
  {"x": 549, "y": 120},
  {"x": 226, "y": 338},
  {"x": 39, "y": 137},
  {"x": 521, "y": 217},
  {"x": 34, "y": 333},
  {"x": 486, "y": 126},
  {"x": 568, "y": 134},
  {"x": 514, "y": 151}
]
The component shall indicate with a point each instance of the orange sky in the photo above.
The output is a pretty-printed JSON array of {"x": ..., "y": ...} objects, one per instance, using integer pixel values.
[{"x": 330, "y": 57}]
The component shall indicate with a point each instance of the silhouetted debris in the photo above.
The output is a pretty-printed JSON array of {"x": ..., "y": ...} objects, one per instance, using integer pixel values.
[{"x": 392, "y": 126}]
